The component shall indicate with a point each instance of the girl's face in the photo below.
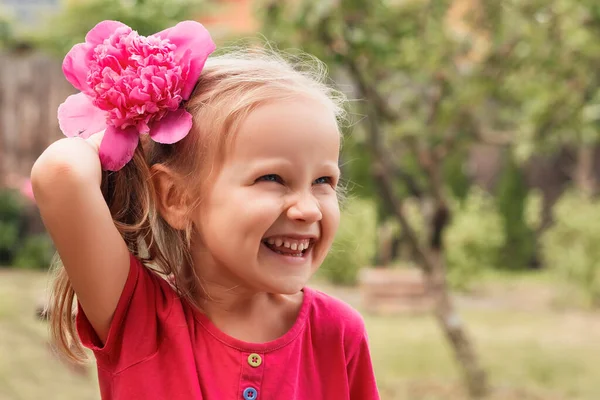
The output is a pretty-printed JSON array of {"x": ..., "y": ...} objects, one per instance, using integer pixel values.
[{"x": 271, "y": 214}]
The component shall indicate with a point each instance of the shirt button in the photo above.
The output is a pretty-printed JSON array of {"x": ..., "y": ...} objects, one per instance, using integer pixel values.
[
  {"x": 254, "y": 360},
  {"x": 250, "y": 393}
]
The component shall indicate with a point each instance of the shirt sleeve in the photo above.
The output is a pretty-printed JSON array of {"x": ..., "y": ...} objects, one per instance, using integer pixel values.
[
  {"x": 135, "y": 330},
  {"x": 361, "y": 377}
]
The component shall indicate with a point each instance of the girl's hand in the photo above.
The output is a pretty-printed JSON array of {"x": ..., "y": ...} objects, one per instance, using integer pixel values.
[{"x": 95, "y": 140}]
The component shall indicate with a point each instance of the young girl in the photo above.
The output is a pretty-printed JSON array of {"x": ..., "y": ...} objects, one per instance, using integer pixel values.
[{"x": 190, "y": 253}]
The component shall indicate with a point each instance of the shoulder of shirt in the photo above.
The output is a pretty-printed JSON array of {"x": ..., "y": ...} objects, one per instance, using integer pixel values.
[
  {"x": 335, "y": 315},
  {"x": 165, "y": 285}
]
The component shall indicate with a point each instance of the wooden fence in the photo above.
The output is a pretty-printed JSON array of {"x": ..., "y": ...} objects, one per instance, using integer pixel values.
[{"x": 32, "y": 86}]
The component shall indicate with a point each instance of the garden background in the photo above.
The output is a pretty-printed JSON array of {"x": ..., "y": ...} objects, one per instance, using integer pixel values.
[{"x": 472, "y": 166}]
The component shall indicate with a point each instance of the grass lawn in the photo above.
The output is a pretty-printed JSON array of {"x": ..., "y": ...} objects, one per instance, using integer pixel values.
[{"x": 530, "y": 350}]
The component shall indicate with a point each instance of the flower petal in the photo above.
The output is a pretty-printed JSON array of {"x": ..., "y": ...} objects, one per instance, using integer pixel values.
[
  {"x": 117, "y": 147},
  {"x": 192, "y": 36},
  {"x": 27, "y": 190},
  {"x": 75, "y": 66},
  {"x": 77, "y": 116},
  {"x": 102, "y": 31},
  {"x": 172, "y": 127}
]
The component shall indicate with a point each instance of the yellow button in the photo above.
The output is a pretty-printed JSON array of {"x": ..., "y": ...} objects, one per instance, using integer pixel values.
[{"x": 254, "y": 360}]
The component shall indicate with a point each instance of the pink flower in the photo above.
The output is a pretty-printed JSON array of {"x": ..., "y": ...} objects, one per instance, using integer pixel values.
[
  {"x": 27, "y": 190},
  {"x": 132, "y": 85}
]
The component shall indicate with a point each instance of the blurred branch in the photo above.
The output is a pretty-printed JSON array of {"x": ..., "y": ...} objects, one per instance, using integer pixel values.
[
  {"x": 379, "y": 108},
  {"x": 63, "y": 30},
  {"x": 487, "y": 135},
  {"x": 367, "y": 88},
  {"x": 383, "y": 166},
  {"x": 395, "y": 205},
  {"x": 413, "y": 187}
]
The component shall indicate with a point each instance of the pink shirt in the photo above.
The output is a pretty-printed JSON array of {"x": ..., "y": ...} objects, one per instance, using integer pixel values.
[{"x": 160, "y": 347}]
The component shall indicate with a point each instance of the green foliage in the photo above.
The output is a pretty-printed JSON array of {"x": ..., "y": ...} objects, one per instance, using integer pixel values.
[
  {"x": 146, "y": 16},
  {"x": 10, "y": 206},
  {"x": 356, "y": 167},
  {"x": 10, "y": 224},
  {"x": 552, "y": 72},
  {"x": 512, "y": 201},
  {"x": 402, "y": 50},
  {"x": 17, "y": 249},
  {"x": 454, "y": 175},
  {"x": 354, "y": 245},
  {"x": 413, "y": 211},
  {"x": 570, "y": 246},
  {"x": 35, "y": 253},
  {"x": 6, "y": 30},
  {"x": 474, "y": 239},
  {"x": 522, "y": 73},
  {"x": 9, "y": 236}
]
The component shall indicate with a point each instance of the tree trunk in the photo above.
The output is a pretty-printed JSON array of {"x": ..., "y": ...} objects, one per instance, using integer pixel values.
[
  {"x": 452, "y": 326},
  {"x": 584, "y": 174},
  {"x": 431, "y": 260},
  {"x": 385, "y": 245}
]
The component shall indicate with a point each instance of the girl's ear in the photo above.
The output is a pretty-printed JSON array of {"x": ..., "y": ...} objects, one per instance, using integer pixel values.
[{"x": 171, "y": 196}]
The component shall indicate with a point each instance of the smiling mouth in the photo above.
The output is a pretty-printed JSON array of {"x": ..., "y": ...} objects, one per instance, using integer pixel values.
[{"x": 290, "y": 248}]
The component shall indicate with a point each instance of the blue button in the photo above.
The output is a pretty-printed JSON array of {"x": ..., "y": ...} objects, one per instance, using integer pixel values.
[{"x": 250, "y": 394}]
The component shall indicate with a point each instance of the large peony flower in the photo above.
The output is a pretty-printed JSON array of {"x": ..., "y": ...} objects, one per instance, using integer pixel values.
[{"x": 132, "y": 85}]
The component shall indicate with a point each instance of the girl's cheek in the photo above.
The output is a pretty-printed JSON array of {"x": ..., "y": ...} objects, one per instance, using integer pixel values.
[{"x": 332, "y": 208}]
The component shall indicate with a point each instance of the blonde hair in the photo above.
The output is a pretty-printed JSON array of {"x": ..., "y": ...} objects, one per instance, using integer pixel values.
[{"x": 231, "y": 85}]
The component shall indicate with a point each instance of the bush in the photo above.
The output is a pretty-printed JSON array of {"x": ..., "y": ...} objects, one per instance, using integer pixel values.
[
  {"x": 474, "y": 239},
  {"x": 35, "y": 253},
  {"x": 7, "y": 28},
  {"x": 354, "y": 245},
  {"x": 11, "y": 212},
  {"x": 519, "y": 251},
  {"x": 455, "y": 175},
  {"x": 533, "y": 209},
  {"x": 570, "y": 246},
  {"x": 69, "y": 27},
  {"x": 16, "y": 248}
]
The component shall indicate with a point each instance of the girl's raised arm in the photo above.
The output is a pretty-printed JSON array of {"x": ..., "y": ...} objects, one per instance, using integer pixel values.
[{"x": 66, "y": 183}]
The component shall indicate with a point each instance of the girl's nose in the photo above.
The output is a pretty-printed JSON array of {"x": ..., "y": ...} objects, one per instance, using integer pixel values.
[{"x": 305, "y": 208}]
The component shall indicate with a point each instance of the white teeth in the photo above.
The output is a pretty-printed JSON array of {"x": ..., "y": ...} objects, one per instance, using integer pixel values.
[{"x": 299, "y": 245}]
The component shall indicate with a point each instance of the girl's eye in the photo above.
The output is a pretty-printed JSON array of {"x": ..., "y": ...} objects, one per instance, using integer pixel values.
[
  {"x": 326, "y": 180},
  {"x": 270, "y": 178}
]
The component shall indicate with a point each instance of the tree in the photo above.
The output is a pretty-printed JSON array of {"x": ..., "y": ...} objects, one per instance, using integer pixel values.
[
  {"x": 7, "y": 34},
  {"x": 549, "y": 88},
  {"x": 511, "y": 198},
  {"x": 70, "y": 26}
]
